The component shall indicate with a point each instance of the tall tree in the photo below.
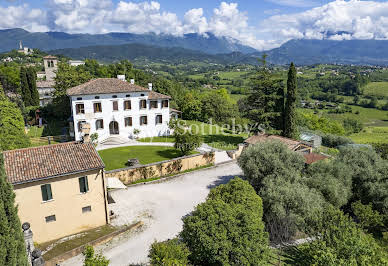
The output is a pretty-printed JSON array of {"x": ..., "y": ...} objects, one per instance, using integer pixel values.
[
  {"x": 25, "y": 90},
  {"x": 31, "y": 78},
  {"x": 12, "y": 134},
  {"x": 290, "y": 114},
  {"x": 261, "y": 103},
  {"x": 12, "y": 248},
  {"x": 67, "y": 77}
]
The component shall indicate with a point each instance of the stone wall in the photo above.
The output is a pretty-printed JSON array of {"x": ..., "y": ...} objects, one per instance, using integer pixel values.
[{"x": 164, "y": 168}]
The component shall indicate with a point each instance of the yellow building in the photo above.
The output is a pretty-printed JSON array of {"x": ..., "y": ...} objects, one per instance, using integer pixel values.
[{"x": 60, "y": 189}]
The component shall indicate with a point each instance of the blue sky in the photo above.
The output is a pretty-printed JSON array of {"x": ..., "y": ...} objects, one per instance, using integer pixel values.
[{"x": 262, "y": 24}]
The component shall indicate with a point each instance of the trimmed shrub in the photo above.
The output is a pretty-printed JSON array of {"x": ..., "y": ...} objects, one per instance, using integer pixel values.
[{"x": 169, "y": 253}]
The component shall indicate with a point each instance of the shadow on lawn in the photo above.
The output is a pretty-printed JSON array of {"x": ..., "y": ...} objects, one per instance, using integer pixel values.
[
  {"x": 224, "y": 139},
  {"x": 169, "y": 153}
]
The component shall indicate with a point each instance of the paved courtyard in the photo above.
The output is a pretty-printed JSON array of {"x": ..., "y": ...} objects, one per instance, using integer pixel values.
[{"x": 160, "y": 206}]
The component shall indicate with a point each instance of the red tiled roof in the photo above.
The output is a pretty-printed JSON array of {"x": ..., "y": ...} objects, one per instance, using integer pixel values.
[
  {"x": 314, "y": 157},
  {"x": 291, "y": 144},
  {"x": 32, "y": 164},
  {"x": 49, "y": 57},
  {"x": 111, "y": 85}
]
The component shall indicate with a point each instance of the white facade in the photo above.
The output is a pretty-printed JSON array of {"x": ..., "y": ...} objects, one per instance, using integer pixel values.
[{"x": 114, "y": 121}]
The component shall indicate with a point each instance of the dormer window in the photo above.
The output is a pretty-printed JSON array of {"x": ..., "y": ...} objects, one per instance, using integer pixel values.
[
  {"x": 97, "y": 97},
  {"x": 142, "y": 94},
  {"x": 79, "y": 99},
  {"x": 114, "y": 96},
  {"x": 128, "y": 95},
  {"x": 143, "y": 104}
]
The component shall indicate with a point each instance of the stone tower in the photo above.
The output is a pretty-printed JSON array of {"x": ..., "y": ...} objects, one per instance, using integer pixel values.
[{"x": 50, "y": 66}]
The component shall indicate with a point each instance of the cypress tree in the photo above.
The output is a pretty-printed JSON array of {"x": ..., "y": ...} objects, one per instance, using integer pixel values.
[
  {"x": 290, "y": 127},
  {"x": 12, "y": 247},
  {"x": 279, "y": 109},
  {"x": 26, "y": 93},
  {"x": 31, "y": 78}
]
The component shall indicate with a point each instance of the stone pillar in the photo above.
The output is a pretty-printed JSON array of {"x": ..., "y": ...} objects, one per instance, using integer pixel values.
[{"x": 34, "y": 255}]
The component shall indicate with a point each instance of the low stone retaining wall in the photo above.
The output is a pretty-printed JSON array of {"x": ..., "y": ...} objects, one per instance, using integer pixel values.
[
  {"x": 131, "y": 174},
  {"x": 102, "y": 240}
]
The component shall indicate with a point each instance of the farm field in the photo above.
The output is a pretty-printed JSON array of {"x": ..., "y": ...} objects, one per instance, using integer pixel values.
[
  {"x": 377, "y": 89},
  {"x": 371, "y": 135}
]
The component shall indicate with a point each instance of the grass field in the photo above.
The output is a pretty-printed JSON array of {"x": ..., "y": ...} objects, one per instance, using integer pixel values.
[
  {"x": 371, "y": 135},
  {"x": 157, "y": 139},
  {"x": 116, "y": 158},
  {"x": 377, "y": 89},
  {"x": 52, "y": 129}
]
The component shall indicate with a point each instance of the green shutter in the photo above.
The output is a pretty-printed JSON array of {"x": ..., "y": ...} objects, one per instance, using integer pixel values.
[
  {"x": 46, "y": 192},
  {"x": 83, "y": 184},
  {"x": 49, "y": 194}
]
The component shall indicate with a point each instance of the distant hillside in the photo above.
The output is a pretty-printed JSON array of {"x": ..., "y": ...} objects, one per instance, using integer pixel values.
[
  {"x": 58, "y": 40},
  {"x": 308, "y": 52},
  {"x": 141, "y": 52}
]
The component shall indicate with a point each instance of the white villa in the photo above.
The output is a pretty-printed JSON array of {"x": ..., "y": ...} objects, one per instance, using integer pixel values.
[{"x": 115, "y": 108}]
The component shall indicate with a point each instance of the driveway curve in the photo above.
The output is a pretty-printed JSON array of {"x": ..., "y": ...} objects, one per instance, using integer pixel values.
[{"x": 161, "y": 207}]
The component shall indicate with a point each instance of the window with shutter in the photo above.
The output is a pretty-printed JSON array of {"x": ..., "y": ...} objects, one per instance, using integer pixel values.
[
  {"x": 128, "y": 121},
  {"x": 127, "y": 105},
  {"x": 99, "y": 124},
  {"x": 115, "y": 106},
  {"x": 83, "y": 184},
  {"x": 153, "y": 104},
  {"x": 143, "y": 104},
  {"x": 159, "y": 119},
  {"x": 143, "y": 120},
  {"x": 97, "y": 107},
  {"x": 80, "y": 108},
  {"x": 46, "y": 192}
]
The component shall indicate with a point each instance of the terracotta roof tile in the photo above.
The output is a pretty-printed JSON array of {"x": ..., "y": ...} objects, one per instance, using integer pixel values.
[
  {"x": 111, "y": 85},
  {"x": 291, "y": 143},
  {"x": 314, "y": 157},
  {"x": 31, "y": 164}
]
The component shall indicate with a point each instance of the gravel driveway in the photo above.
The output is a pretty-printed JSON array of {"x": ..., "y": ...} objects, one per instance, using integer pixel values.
[{"x": 160, "y": 206}]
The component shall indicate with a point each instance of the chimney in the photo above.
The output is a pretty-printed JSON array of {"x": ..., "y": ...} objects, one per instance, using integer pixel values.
[
  {"x": 132, "y": 81},
  {"x": 121, "y": 77},
  {"x": 150, "y": 86}
]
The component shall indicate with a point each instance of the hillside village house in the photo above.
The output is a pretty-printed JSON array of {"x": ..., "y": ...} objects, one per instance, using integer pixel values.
[
  {"x": 60, "y": 189},
  {"x": 114, "y": 108}
]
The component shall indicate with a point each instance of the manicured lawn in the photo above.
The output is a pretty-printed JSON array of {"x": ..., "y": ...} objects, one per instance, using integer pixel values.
[
  {"x": 217, "y": 137},
  {"x": 157, "y": 139},
  {"x": 377, "y": 89},
  {"x": 51, "y": 129},
  {"x": 116, "y": 158},
  {"x": 371, "y": 135}
]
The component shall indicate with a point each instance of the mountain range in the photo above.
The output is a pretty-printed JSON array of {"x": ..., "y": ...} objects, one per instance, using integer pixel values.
[
  {"x": 45, "y": 41},
  {"x": 210, "y": 48}
]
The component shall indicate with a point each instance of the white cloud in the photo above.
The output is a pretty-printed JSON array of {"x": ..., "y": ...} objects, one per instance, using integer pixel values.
[
  {"x": 195, "y": 22},
  {"x": 294, "y": 3},
  {"x": 338, "y": 20},
  {"x": 23, "y": 16}
]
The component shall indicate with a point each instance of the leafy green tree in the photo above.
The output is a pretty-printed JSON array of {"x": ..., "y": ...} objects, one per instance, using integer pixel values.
[
  {"x": 322, "y": 124},
  {"x": 12, "y": 247},
  {"x": 191, "y": 107},
  {"x": 290, "y": 126},
  {"x": 370, "y": 220},
  {"x": 269, "y": 160},
  {"x": 25, "y": 89},
  {"x": 67, "y": 77},
  {"x": 352, "y": 125},
  {"x": 261, "y": 102},
  {"x": 368, "y": 172},
  {"x": 92, "y": 259},
  {"x": 185, "y": 140},
  {"x": 169, "y": 253},
  {"x": 280, "y": 108},
  {"x": 332, "y": 180},
  {"x": 227, "y": 229},
  {"x": 10, "y": 77},
  {"x": 12, "y": 134},
  {"x": 218, "y": 106},
  {"x": 339, "y": 241}
]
